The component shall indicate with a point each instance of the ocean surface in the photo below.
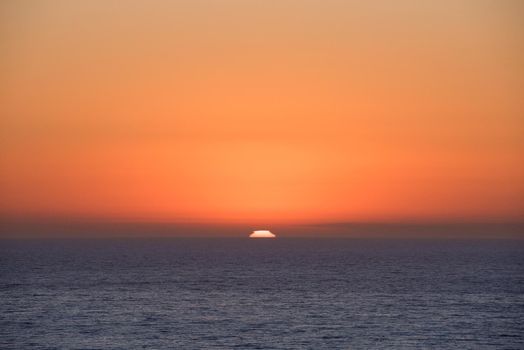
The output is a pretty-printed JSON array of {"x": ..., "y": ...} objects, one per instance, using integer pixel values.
[{"x": 261, "y": 294}]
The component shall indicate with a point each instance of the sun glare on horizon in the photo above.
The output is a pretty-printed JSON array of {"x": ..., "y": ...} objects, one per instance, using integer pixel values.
[{"x": 262, "y": 234}]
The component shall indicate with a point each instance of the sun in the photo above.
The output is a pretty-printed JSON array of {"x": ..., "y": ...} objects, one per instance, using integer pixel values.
[{"x": 262, "y": 234}]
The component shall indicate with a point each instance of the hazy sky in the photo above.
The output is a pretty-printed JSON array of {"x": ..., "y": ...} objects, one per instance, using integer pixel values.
[{"x": 267, "y": 111}]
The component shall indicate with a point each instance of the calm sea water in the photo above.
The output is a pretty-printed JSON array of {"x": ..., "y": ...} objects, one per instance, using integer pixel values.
[{"x": 261, "y": 294}]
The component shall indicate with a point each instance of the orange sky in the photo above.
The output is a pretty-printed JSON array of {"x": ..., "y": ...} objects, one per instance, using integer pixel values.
[{"x": 285, "y": 111}]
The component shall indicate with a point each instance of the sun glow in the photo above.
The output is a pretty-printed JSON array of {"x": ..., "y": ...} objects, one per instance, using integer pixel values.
[
  {"x": 262, "y": 234},
  {"x": 262, "y": 124}
]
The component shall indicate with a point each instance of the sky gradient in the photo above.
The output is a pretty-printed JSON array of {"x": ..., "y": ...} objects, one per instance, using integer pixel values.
[{"x": 285, "y": 112}]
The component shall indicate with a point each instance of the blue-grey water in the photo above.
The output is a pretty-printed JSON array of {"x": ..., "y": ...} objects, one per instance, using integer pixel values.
[{"x": 262, "y": 294}]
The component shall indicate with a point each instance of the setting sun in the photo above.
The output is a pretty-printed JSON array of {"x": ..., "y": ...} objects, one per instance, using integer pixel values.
[
  {"x": 143, "y": 144},
  {"x": 262, "y": 234}
]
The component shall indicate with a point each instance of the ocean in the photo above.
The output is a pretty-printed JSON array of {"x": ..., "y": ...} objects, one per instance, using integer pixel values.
[{"x": 225, "y": 293}]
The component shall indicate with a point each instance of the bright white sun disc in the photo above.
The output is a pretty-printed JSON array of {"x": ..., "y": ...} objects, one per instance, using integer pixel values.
[{"x": 262, "y": 234}]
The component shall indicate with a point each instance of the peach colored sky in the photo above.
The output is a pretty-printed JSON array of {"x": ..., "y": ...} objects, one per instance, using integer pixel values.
[{"x": 285, "y": 111}]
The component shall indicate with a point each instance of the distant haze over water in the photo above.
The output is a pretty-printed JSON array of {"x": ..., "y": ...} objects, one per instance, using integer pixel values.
[{"x": 77, "y": 228}]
